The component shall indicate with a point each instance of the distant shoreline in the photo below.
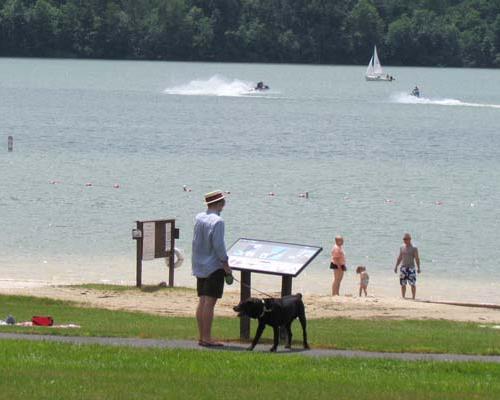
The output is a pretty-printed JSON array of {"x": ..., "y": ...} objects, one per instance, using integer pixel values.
[{"x": 312, "y": 64}]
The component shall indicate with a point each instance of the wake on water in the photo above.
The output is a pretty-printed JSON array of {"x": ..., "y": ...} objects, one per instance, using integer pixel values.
[
  {"x": 217, "y": 85},
  {"x": 405, "y": 98}
]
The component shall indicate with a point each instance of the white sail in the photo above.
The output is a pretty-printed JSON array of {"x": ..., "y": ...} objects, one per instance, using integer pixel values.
[
  {"x": 369, "y": 69},
  {"x": 377, "y": 68},
  {"x": 374, "y": 71}
]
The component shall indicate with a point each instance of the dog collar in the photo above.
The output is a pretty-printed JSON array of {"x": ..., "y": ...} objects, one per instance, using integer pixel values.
[{"x": 264, "y": 311}]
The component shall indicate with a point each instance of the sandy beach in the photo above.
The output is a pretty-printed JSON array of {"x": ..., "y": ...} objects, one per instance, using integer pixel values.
[{"x": 182, "y": 302}]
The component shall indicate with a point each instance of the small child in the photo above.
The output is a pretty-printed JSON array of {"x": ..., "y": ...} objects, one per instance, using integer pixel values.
[{"x": 364, "y": 278}]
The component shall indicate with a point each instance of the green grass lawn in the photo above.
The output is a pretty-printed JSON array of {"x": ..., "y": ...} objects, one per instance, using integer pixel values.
[
  {"x": 340, "y": 333},
  {"x": 30, "y": 370}
]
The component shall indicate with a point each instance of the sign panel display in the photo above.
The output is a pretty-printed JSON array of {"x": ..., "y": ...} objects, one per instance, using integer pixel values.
[
  {"x": 148, "y": 241},
  {"x": 270, "y": 257}
]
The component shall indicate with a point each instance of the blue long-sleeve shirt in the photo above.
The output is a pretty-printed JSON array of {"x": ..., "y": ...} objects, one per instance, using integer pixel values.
[{"x": 209, "y": 248}]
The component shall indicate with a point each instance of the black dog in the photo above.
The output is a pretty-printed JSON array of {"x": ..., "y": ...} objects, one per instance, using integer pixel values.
[{"x": 277, "y": 313}]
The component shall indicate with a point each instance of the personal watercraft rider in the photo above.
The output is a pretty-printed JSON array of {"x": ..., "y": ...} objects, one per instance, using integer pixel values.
[{"x": 261, "y": 86}]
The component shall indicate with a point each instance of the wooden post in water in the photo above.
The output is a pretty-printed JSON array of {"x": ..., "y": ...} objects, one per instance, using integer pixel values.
[{"x": 10, "y": 143}]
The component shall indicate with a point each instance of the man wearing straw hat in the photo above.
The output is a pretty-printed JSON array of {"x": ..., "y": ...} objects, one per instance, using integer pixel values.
[{"x": 209, "y": 263}]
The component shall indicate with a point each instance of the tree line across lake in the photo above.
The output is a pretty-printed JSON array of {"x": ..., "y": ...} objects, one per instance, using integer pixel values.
[{"x": 407, "y": 32}]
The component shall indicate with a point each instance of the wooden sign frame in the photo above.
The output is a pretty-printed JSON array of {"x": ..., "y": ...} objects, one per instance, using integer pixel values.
[{"x": 160, "y": 246}]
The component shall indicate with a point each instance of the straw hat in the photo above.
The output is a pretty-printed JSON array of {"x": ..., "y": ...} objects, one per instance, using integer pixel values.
[{"x": 214, "y": 197}]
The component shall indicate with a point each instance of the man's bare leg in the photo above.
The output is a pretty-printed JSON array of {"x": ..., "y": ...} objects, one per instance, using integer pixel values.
[
  {"x": 403, "y": 291},
  {"x": 413, "y": 291},
  {"x": 207, "y": 318},
  {"x": 199, "y": 314}
]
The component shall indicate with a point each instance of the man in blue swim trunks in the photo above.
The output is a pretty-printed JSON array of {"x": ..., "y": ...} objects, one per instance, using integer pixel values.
[{"x": 408, "y": 257}]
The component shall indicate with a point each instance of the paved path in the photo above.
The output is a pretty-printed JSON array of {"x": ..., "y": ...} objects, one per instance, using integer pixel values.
[{"x": 192, "y": 345}]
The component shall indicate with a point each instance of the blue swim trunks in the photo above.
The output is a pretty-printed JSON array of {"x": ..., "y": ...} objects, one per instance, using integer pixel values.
[{"x": 407, "y": 275}]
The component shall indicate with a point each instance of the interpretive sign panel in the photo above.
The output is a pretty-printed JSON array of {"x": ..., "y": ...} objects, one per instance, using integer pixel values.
[{"x": 270, "y": 257}]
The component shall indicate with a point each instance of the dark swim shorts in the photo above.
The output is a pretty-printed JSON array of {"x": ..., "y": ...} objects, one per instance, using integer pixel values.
[
  {"x": 212, "y": 285},
  {"x": 342, "y": 267},
  {"x": 407, "y": 275}
]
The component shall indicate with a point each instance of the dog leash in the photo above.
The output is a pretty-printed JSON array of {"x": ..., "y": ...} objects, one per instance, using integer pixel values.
[{"x": 251, "y": 288}]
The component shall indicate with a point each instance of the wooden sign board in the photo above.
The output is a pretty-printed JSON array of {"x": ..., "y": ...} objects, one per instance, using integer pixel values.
[{"x": 156, "y": 239}]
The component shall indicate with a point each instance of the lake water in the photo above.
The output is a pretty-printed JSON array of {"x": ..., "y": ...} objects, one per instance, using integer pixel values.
[{"x": 376, "y": 162}]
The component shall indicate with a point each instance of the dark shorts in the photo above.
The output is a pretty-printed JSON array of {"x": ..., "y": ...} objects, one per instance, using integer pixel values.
[
  {"x": 342, "y": 267},
  {"x": 212, "y": 285},
  {"x": 407, "y": 275}
]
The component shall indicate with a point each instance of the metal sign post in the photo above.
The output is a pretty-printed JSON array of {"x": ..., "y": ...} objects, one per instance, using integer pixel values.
[{"x": 155, "y": 239}]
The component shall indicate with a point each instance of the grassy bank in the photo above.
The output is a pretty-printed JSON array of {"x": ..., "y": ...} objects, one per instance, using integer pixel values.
[
  {"x": 62, "y": 371},
  {"x": 340, "y": 333}
]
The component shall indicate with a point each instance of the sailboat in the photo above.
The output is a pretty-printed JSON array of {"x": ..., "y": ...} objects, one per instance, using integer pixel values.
[{"x": 374, "y": 71}]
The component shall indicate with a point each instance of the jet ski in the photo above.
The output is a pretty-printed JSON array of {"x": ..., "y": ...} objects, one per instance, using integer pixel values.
[
  {"x": 415, "y": 92},
  {"x": 260, "y": 86}
]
